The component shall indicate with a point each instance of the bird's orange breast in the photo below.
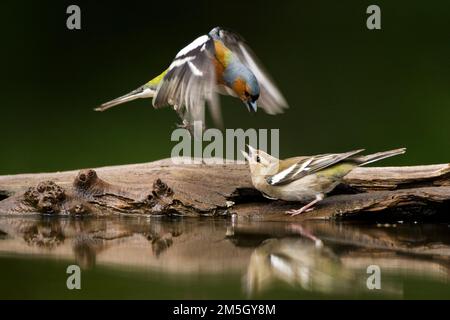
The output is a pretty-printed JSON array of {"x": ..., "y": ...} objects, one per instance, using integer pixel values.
[
  {"x": 221, "y": 61},
  {"x": 239, "y": 86}
]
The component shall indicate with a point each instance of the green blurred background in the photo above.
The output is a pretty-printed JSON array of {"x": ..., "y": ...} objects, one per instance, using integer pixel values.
[{"x": 348, "y": 87}]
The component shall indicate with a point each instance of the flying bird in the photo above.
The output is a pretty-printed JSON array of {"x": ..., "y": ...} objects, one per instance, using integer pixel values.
[
  {"x": 217, "y": 63},
  {"x": 306, "y": 178}
]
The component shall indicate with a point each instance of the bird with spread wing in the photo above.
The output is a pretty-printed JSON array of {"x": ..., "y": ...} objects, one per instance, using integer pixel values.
[{"x": 217, "y": 63}]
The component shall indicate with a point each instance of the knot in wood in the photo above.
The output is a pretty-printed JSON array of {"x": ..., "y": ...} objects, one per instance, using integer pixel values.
[
  {"x": 85, "y": 179},
  {"x": 160, "y": 189},
  {"x": 79, "y": 209},
  {"x": 46, "y": 197}
]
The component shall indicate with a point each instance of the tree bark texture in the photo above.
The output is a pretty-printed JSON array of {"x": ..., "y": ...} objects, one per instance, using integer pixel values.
[{"x": 165, "y": 188}]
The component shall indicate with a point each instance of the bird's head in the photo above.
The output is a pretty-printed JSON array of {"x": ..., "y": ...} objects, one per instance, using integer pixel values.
[
  {"x": 261, "y": 163},
  {"x": 246, "y": 88}
]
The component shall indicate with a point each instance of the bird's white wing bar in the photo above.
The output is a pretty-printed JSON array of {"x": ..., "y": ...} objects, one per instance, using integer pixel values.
[
  {"x": 280, "y": 176},
  {"x": 270, "y": 99},
  {"x": 195, "y": 70},
  {"x": 180, "y": 62},
  {"x": 290, "y": 171},
  {"x": 308, "y": 166},
  {"x": 190, "y": 82},
  {"x": 200, "y": 41}
]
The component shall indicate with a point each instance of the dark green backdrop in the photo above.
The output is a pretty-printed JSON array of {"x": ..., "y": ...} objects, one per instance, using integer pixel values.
[{"x": 348, "y": 87}]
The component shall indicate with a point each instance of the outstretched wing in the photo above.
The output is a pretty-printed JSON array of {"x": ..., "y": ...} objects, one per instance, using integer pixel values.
[
  {"x": 270, "y": 99},
  {"x": 308, "y": 165},
  {"x": 190, "y": 82}
]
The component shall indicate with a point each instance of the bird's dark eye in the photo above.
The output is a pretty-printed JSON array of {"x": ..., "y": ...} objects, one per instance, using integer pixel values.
[
  {"x": 255, "y": 97},
  {"x": 247, "y": 94},
  {"x": 258, "y": 159}
]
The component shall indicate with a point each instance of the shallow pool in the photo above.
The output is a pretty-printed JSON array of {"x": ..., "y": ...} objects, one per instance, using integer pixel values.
[{"x": 206, "y": 258}]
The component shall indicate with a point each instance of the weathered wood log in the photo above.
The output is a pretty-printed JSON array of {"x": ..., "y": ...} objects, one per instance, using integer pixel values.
[{"x": 164, "y": 188}]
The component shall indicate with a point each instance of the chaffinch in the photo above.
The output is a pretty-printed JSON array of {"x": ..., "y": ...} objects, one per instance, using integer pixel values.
[
  {"x": 306, "y": 178},
  {"x": 219, "y": 62}
]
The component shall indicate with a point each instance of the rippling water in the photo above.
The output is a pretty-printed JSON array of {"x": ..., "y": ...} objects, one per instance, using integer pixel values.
[{"x": 162, "y": 258}]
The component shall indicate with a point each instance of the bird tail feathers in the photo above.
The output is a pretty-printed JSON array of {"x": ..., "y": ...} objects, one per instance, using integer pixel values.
[
  {"x": 142, "y": 92},
  {"x": 379, "y": 156}
]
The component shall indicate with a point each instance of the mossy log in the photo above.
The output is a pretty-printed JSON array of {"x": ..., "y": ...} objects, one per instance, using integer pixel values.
[{"x": 165, "y": 188}]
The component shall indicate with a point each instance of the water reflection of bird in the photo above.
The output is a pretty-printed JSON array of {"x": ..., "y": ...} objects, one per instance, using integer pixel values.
[
  {"x": 219, "y": 62},
  {"x": 295, "y": 262},
  {"x": 306, "y": 178}
]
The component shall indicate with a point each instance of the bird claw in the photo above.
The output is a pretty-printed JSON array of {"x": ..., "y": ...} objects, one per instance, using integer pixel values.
[
  {"x": 293, "y": 213},
  {"x": 184, "y": 125},
  {"x": 193, "y": 127}
]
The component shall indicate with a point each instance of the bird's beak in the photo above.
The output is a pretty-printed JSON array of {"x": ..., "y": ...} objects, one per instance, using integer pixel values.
[
  {"x": 246, "y": 156},
  {"x": 249, "y": 155},
  {"x": 251, "y": 150},
  {"x": 251, "y": 106}
]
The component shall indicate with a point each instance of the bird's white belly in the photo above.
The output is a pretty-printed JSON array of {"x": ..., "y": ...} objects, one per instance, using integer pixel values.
[
  {"x": 299, "y": 190},
  {"x": 304, "y": 190}
]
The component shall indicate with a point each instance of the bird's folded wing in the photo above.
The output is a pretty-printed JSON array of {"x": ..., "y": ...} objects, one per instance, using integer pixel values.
[
  {"x": 270, "y": 99},
  {"x": 190, "y": 82},
  {"x": 308, "y": 165}
]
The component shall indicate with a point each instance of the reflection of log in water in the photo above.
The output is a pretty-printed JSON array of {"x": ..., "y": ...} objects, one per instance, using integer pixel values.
[
  {"x": 163, "y": 188},
  {"x": 266, "y": 252},
  {"x": 170, "y": 245},
  {"x": 399, "y": 249}
]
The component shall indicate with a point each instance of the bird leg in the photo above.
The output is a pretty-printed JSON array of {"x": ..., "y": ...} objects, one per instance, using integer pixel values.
[
  {"x": 307, "y": 207},
  {"x": 298, "y": 229},
  {"x": 182, "y": 114}
]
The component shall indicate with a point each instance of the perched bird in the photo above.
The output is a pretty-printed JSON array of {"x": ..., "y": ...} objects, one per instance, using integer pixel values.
[
  {"x": 219, "y": 62},
  {"x": 305, "y": 179}
]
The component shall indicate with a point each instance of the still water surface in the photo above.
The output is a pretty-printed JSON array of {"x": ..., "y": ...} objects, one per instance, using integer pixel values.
[{"x": 162, "y": 258}]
